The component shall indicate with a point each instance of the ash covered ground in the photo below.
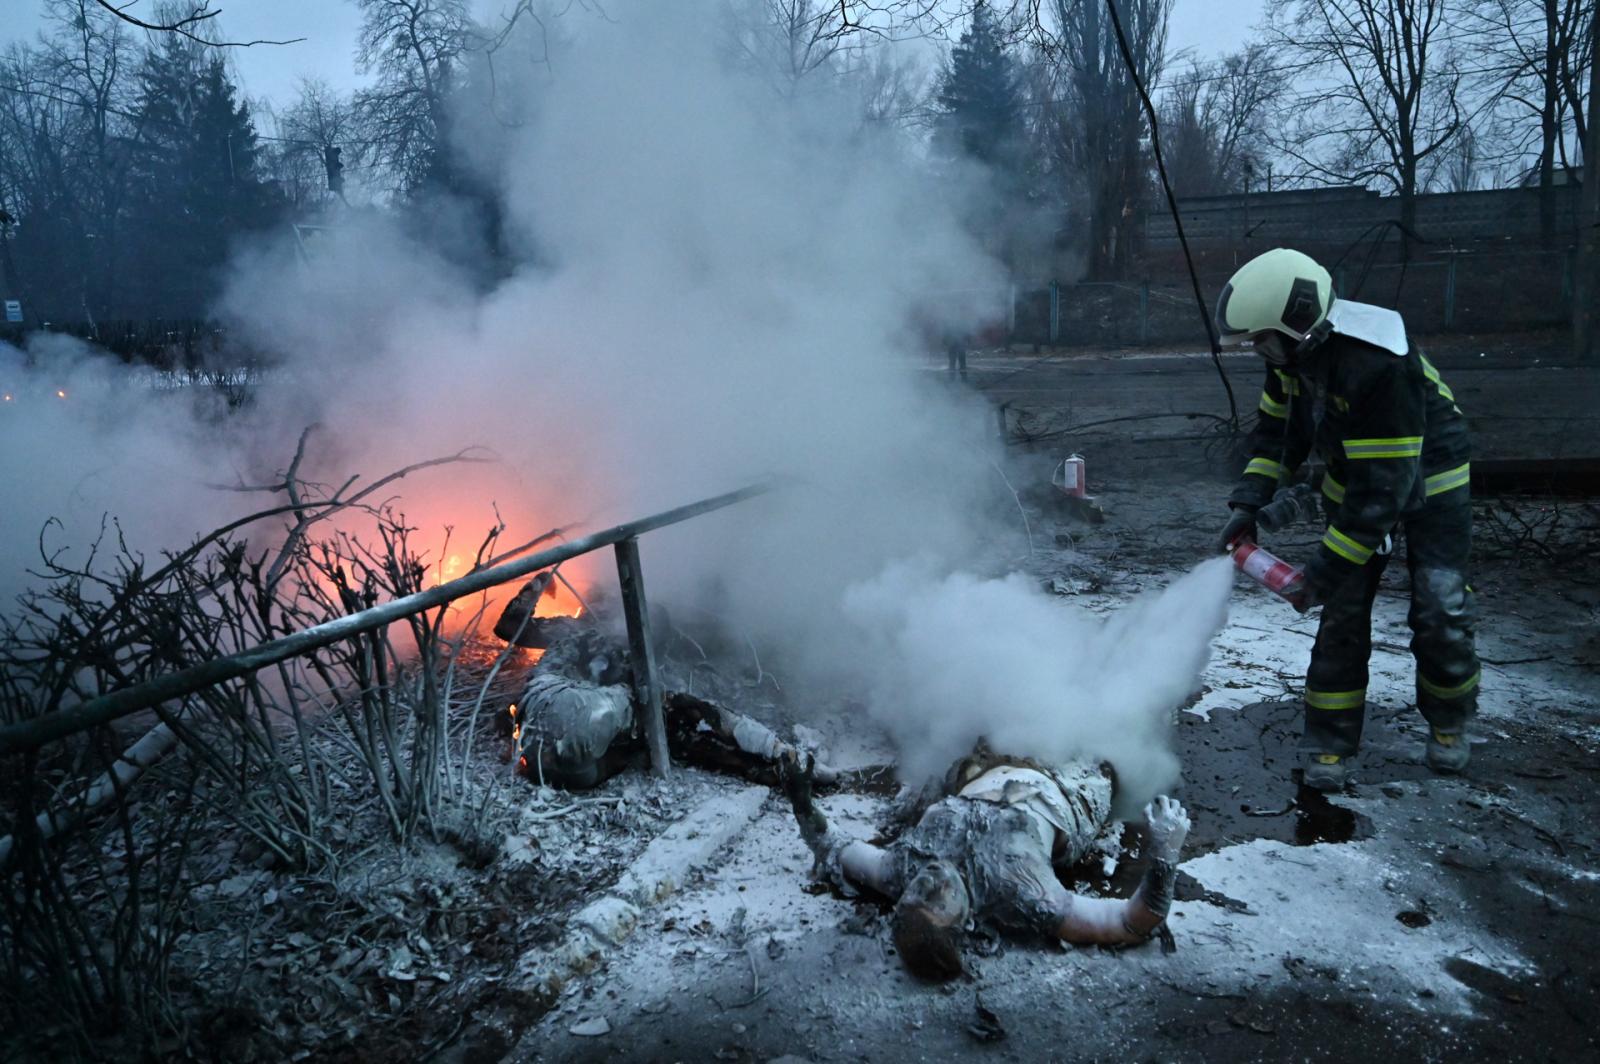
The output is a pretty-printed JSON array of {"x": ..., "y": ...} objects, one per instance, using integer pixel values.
[{"x": 1434, "y": 917}]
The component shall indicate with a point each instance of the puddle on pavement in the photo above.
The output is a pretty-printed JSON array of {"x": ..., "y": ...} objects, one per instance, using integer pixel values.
[{"x": 1319, "y": 820}]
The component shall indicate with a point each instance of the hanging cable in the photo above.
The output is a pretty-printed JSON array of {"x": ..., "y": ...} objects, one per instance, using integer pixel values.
[{"x": 1172, "y": 205}]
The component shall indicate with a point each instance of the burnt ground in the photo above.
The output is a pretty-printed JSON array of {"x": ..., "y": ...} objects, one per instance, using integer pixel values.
[{"x": 1430, "y": 917}]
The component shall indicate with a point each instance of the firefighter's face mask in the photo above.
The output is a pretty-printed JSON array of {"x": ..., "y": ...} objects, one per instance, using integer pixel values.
[{"x": 1273, "y": 346}]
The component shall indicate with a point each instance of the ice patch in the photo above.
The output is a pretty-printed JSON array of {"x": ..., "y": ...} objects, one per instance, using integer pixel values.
[{"x": 1334, "y": 907}]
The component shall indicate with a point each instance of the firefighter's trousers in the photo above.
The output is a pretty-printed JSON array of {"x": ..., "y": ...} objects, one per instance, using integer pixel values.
[{"x": 1438, "y": 543}]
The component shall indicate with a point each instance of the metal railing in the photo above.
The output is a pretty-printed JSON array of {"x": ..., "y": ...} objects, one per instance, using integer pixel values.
[{"x": 114, "y": 705}]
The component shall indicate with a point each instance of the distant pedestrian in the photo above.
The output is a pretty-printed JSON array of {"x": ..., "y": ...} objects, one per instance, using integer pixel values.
[{"x": 955, "y": 348}]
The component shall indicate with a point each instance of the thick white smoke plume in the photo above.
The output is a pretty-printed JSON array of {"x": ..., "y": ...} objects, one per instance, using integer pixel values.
[
  {"x": 719, "y": 284},
  {"x": 961, "y": 657}
]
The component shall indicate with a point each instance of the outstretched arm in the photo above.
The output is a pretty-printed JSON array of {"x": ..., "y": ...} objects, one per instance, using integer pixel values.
[
  {"x": 836, "y": 856},
  {"x": 716, "y": 738},
  {"x": 1113, "y": 921}
]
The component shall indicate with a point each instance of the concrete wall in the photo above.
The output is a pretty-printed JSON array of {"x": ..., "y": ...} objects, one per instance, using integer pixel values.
[{"x": 1338, "y": 217}]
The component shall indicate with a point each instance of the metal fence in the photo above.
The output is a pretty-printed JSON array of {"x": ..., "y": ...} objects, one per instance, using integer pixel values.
[
  {"x": 1454, "y": 290},
  {"x": 166, "y": 343}
]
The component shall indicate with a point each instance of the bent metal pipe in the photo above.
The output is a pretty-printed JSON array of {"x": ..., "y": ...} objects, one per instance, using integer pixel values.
[{"x": 114, "y": 705}]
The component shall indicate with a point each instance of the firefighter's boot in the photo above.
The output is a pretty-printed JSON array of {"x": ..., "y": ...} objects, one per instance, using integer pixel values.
[
  {"x": 1325, "y": 772},
  {"x": 1447, "y": 753}
]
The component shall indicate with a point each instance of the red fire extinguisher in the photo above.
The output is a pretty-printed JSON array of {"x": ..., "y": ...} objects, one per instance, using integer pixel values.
[{"x": 1267, "y": 569}]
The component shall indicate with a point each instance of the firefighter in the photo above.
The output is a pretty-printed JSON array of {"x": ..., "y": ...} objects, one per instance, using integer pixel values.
[{"x": 1342, "y": 378}]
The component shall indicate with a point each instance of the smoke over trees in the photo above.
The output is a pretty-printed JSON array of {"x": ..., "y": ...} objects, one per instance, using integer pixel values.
[{"x": 980, "y": 119}]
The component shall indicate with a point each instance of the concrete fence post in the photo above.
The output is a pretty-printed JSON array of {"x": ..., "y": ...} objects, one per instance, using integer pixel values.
[
  {"x": 1144, "y": 313},
  {"x": 1450, "y": 293}
]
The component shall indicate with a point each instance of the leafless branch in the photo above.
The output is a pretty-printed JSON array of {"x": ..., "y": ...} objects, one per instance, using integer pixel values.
[{"x": 185, "y": 26}]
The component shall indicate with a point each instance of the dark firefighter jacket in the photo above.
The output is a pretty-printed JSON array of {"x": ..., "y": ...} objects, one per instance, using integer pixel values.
[{"x": 1388, "y": 429}]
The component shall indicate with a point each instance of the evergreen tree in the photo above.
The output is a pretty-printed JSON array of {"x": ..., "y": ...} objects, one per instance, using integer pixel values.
[
  {"x": 980, "y": 98},
  {"x": 197, "y": 190},
  {"x": 981, "y": 119}
]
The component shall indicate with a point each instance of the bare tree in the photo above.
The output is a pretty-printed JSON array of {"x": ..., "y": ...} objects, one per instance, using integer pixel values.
[
  {"x": 1391, "y": 97},
  {"x": 1213, "y": 121},
  {"x": 318, "y": 120},
  {"x": 191, "y": 20},
  {"x": 415, "y": 48},
  {"x": 890, "y": 85},
  {"x": 800, "y": 46},
  {"x": 1097, "y": 122},
  {"x": 803, "y": 32},
  {"x": 1533, "y": 58},
  {"x": 1461, "y": 162},
  {"x": 1585, "y": 333},
  {"x": 70, "y": 138}
]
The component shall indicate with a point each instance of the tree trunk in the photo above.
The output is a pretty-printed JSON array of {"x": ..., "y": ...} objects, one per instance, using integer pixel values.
[
  {"x": 1549, "y": 129},
  {"x": 1587, "y": 290},
  {"x": 1408, "y": 208}
]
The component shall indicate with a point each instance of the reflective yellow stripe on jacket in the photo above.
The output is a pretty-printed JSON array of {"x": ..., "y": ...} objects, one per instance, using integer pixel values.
[
  {"x": 1449, "y": 480},
  {"x": 1266, "y": 467},
  {"x": 1384, "y": 447},
  {"x": 1345, "y": 547},
  {"x": 1438, "y": 484},
  {"x": 1438, "y": 382},
  {"x": 1272, "y": 407}
]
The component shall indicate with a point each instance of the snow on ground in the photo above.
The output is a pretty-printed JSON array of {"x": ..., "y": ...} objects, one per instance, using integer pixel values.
[
  {"x": 1334, "y": 905},
  {"x": 1439, "y": 927}
]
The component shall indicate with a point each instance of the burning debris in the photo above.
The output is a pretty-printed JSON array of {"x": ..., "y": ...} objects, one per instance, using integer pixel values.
[{"x": 531, "y": 619}]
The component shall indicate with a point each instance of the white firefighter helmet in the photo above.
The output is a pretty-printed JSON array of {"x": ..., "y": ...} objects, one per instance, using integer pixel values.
[{"x": 1280, "y": 290}]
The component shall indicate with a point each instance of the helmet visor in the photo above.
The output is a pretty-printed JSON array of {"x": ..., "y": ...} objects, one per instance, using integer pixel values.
[{"x": 1228, "y": 334}]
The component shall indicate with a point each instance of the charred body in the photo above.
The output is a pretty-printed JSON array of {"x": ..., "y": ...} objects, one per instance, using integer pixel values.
[
  {"x": 985, "y": 851},
  {"x": 576, "y": 723}
]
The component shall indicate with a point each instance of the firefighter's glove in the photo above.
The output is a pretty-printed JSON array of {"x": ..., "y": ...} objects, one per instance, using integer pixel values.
[
  {"x": 1166, "y": 826},
  {"x": 1305, "y": 595},
  {"x": 1241, "y": 525}
]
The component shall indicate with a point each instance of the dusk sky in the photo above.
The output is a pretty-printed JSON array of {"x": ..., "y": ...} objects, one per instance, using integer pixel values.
[{"x": 329, "y": 27}]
